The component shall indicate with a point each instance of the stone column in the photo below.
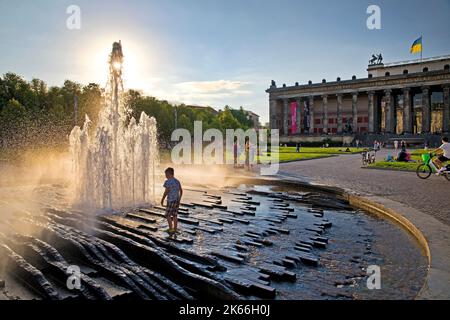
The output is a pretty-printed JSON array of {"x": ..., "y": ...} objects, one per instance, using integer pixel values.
[
  {"x": 285, "y": 117},
  {"x": 325, "y": 113},
  {"x": 339, "y": 113},
  {"x": 446, "y": 113},
  {"x": 371, "y": 110},
  {"x": 299, "y": 115},
  {"x": 273, "y": 113},
  {"x": 407, "y": 111},
  {"x": 389, "y": 111},
  {"x": 426, "y": 110},
  {"x": 355, "y": 111},
  {"x": 311, "y": 114}
]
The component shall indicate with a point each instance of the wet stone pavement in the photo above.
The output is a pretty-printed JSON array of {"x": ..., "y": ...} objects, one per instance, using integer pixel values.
[{"x": 249, "y": 242}]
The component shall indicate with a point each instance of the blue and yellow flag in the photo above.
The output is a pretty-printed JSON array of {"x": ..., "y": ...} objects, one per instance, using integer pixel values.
[{"x": 416, "y": 46}]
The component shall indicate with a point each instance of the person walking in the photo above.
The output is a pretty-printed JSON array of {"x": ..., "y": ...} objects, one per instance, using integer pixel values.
[
  {"x": 235, "y": 152},
  {"x": 247, "y": 153}
]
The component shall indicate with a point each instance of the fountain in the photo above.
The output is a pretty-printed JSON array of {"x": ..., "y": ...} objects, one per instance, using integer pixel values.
[
  {"x": 114, "y": 167},
  {"x": 245, "y": 239}
]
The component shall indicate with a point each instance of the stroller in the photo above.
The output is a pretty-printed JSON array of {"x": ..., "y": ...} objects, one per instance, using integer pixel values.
[{"x": 368, "y": 156}]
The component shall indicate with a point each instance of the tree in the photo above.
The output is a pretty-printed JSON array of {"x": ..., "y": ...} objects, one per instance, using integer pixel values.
[{"x": 227, "y": 119}]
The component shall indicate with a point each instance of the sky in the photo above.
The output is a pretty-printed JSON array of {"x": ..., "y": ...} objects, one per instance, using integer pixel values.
[{"x": 211, "y": 52}]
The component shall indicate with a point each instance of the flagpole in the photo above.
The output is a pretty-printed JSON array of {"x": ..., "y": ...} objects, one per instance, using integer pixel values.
[{"x": 421, "y": 49}]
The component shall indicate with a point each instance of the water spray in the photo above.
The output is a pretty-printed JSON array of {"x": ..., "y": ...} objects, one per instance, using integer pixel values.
[{"x": 114, "y": 166}]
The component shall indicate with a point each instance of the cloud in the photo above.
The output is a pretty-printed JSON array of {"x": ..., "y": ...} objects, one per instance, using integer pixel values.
[{"x": 211, "y": 86}]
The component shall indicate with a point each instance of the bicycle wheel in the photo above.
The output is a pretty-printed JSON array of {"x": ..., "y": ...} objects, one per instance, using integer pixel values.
[
  {"x": 447, "y": 175},
  {"x": 424, "y": 171}
]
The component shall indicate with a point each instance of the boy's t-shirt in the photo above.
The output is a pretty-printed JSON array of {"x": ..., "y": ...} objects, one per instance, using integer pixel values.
[
  {"x": 446, "y": 147},
  {"x": 174, "y": 186}
]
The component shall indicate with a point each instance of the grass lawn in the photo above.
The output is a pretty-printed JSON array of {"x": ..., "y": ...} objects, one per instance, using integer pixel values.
[
  {"x": 401, "y": 166},
  {"x": 416, "y": 155},
  {"x": 287, "y": 154},
  {"x": 332, "y": 151},
  {"x": 287, "y": 157}
]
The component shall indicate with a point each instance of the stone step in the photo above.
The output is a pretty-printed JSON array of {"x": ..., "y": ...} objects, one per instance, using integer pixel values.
[
  {"x": 213, "y": 201},
  {"x": 244, "y": 221},
  {"x": 273, "y": 220},
  {"x": 318, "y": 230},
  {"x": 302, "y": 249},
  {"x": 225, "y": 220},
  {"x": 228, "y": 257},
  {"x": 321, "y": 239},
  {"x": 289, "y": 263},
  {"x": 188, "y": 221},
  {"x": 279, "y": 273},
  {"x": 245, "y": 198},
  {"x": 206, "y": 229},
  {"x": 147, "y": 228},
  {"x": 203, "y": 205},
  {"x": 213, "y": 196},
  {"x": 252, "y": 288},
  {"x": 309, "y": 259},
  {"x": 190, "y": 231},
  {"x": 282, "y": 205},
  {"x": 280, "y": 230},
  {"x": 189, "y": 205},
  {"x": 241, "y": 247},
  {"x": 140, "y": 218},
  {"x": 293, "y": 258},
  {"x": 218, "y": 206},
  {"x": 251, "y": 243},
  {"x": 237, "y": 213},
  {"x": 152, "y": 212}
]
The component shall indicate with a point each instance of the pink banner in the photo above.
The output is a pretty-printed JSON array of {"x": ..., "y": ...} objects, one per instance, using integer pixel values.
[{"x": 293, "y": 117}]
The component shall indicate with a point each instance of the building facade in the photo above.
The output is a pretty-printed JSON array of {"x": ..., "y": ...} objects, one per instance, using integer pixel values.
[
  {"x": 254, "y": 118},
  {"x": 410, "y": 97}
]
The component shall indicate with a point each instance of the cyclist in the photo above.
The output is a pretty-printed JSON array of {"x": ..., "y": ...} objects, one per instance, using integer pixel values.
[{"x": 444, "y": 157}]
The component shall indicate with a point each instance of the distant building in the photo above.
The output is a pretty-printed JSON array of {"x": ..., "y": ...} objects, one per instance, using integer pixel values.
[
  {"x": 254, "y": 118},
  {"x": 409, "y": 97},
  {"x": 208, "y": 108}
]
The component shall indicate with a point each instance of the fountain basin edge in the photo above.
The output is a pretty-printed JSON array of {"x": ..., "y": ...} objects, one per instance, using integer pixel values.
[{"x": 426, "y": 230}]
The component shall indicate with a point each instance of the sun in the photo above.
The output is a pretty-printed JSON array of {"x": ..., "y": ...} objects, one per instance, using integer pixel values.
[{"x": 136, "y": 66}]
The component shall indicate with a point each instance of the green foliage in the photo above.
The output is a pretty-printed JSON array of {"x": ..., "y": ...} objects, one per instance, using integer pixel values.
[{"x": 33, "y": 115}]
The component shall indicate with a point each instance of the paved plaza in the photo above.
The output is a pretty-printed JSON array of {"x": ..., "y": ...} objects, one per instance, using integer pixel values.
[{"x": 430, "y": 196}]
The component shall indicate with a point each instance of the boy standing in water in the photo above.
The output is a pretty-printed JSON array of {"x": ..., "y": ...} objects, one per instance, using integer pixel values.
[{"x": 173, "y": 192}]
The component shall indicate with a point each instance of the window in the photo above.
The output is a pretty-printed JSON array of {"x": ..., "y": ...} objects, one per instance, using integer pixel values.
[
  {"x": 317, "y": 121},
  {"x": 446, "y": 67},
  {"x": 333, "y": 130},
  {"x": 425, "y": 69},
  {"x": 405, "y": 71},
  {"x": 387, "y": 74}
]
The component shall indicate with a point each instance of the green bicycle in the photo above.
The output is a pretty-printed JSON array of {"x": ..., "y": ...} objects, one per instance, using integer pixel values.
[{"x": 427, "y": 168}]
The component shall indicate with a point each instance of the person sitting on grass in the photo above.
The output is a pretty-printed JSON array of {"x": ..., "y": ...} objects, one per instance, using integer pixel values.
[
  {"x": 173, "y": 192},
  {"x": 444, "y": 150}
]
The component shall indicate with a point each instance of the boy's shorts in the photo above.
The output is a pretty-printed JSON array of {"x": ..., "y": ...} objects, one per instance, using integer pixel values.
[
  {"x": 443, "y": 159},
  {"x": 172, "y": 209}
]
